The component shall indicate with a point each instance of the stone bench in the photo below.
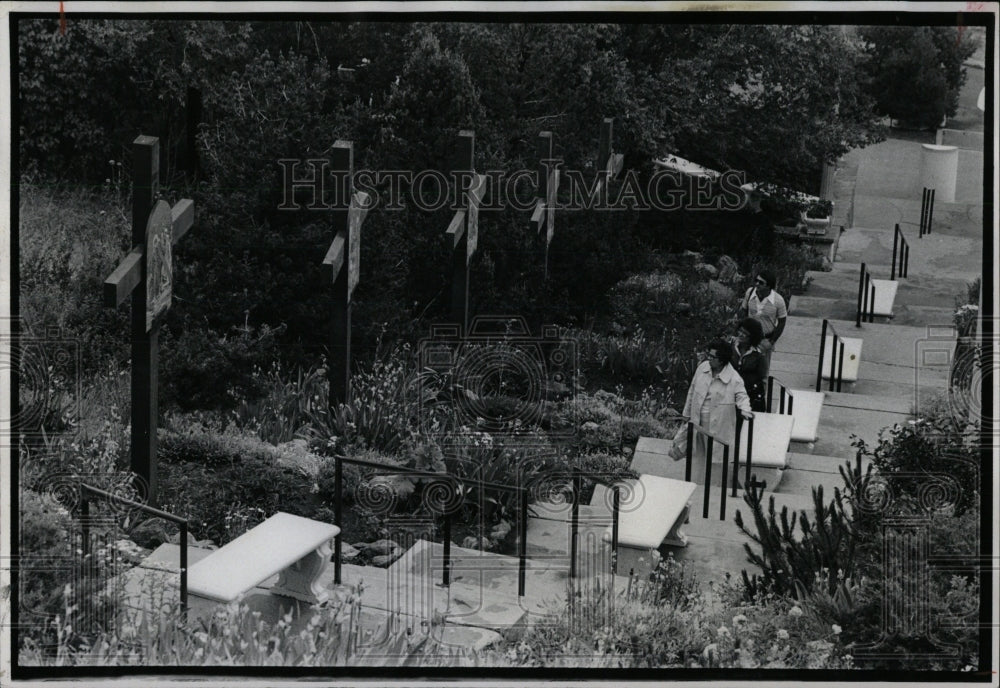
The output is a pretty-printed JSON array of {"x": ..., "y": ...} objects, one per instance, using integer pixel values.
[
  {"x": 297, "y": 549},
  {"x": 852, "y": 358},
  {"x": 654, "y": 516},
  {"x": 806, "y": 409},
  {"x": 885, "y": 296}
]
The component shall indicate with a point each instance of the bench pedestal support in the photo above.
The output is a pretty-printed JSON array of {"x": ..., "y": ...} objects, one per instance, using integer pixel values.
[
  {"x": 675, "y": 537},
  {"x": 300, "y": 581}
]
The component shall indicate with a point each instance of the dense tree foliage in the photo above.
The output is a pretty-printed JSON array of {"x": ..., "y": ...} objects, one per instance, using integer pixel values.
[
  {"x": 773, "y": 101},
  {"x": 916, "y": 73}
]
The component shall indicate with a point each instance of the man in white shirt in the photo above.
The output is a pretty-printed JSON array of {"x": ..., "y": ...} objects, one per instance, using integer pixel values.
[{"x": 765, "y": 305}]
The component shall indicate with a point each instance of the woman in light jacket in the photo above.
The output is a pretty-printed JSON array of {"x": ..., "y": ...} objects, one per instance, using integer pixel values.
[{"x": 715, "y": 394}]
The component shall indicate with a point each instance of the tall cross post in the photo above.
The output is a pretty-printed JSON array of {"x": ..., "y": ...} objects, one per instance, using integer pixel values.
[
  {"x": 146, "y": 275},
  {"x": 463, "y": 230},
  {"x": 544, "y": 215},
  {"x": 344, "y": 259},
  {"x": 609, "y": 163}
]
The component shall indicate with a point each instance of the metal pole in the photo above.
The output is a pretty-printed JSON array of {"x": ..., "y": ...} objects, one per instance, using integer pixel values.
[
  {"x": 338, "y": 487},
  {"x": 446, "y": 577},
  {"x": 747, "y": 485},
  {"x": 895, "y": 247},
  {"x": 791, "y": 399},
  {"x": 725, "y": 478},
  {"x": 522, "y": 544},
  {"x": 840, "y": 367},
  {"x": 822, "y": 350},
  {"x": 708, "y": 477},
  {"x": 906, "y": 259},
  {"x": 184, "y": 568},
  {"x": 871, "y": 305},
  {"x": 575, "y": 526},
  {"x": 770, "y": 392},
  {"x": 736, "y": 453},
  {"x": 923, "y": 211},
  {"x": 861, "y": 287},
  {"x": 833, "y": 350},
  {"x": 616, "y": 506},
  {"x": 930, "y": 211},
  {"x": 782, "y": 404},
  {"x": 690, "y": 442}
]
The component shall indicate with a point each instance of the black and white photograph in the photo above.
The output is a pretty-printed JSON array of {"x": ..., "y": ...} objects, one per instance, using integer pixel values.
[{"x": 498, "y": 342}]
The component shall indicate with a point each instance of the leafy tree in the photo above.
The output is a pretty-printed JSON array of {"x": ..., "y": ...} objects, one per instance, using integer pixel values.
[{"x": 916, "y": 73}]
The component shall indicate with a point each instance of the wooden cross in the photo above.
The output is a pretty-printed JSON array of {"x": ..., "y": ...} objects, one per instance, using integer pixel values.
[
  {"x": 544, "y": 214},
  {"x": 609, "y": 163},
  {"x": 350, "y": 213},
  {"x": 146, "y": 274},
  {"x": 464, "y": 226}
]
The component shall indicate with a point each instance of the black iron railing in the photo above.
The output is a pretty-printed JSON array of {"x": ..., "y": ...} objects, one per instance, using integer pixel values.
[
  {"x": 88, "y": 491},
  {"x": 749, "y": 478},
  {"x": 926, "y": 211},
  {"x": 866, "y": 298},
  {"x": 458, "y": 485},
  {"x": 784, "y": 394},
  {"x": 689, "y": 463},
  {"x": 836, "y": 360},
  {"x": 901, "y": 249}
]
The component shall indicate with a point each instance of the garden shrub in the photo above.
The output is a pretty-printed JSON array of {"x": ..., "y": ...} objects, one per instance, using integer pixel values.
[
  {"x": 44, "y": 527},
  {"x": 222, "y": 482},
  {"x": 667, "y": 622}
]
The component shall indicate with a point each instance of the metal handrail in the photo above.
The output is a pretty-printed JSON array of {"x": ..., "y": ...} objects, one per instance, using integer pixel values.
[
  {"x": 748, "y": 479},
  {"x": 926, "y": 211},
  {"x": 695, "y": 427},
  {"x": 902, "y": 248},
  {"x": 836, "y": 371},
  {"x": 521, "y": 491},
  {"x": 866, "y": 297},
  {"x": 785, "y": 392},
  {"x": 181, "y": 522}
]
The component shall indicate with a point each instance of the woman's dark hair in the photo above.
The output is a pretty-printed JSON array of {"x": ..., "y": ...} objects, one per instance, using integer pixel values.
[
  {"x": 722, "y": 349},
  {"x": 754, "y": 329}
]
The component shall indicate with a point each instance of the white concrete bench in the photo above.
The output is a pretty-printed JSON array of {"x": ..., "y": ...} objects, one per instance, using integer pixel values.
[
  {"x": 806, "y": 409},
  {"x": 885, "y": 295},
  {"x": 771, "y": 434},
  {"x": 297, "y": 548},
  {"x": 653, "y": 516},
  {"x": 852, "y": 358}
]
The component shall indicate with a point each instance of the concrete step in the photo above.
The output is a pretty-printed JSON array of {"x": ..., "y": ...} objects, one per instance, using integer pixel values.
[
  {"x": 954, "y": 248},
  {"x": 846, "y": 309}
]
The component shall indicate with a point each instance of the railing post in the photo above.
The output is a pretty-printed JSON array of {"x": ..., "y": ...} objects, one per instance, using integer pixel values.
[
  {"x": 708, "y": 476},
  {"x": 446, "y": 575},
  {"x": 791, "y": 399},
  {"x": 782, "y": 404},
  {"x": 861, "y": 288},
  {"x": 690, "y": 442},
  {"x": 184, "y": 568},
  {"x": 522, "y": 544},
  {"x": 906, "y": 258},
  {"x": 736, "y": 453},
  {"x": 833, "y": 352},
  {"x": 615, "y": 507},
  {"x": 895, "y": 247},
  {"x": 930, "y": 211},
  {"x": 725, "y": 479},
  {"x": 923, "y": 211},
  {"x": 338, "y": 513},
  {"x": 770, "y": 392},
  {"x": 747, "y": 485},
  {"x": 857, "y": 459},
  {"x": 84, "y": 524},
  {"x": 575, "y": 526},
  {"x": 871, "y": 305},
  {"x": 822, "y": 350},
  {"x": 840, "y": 367}
]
